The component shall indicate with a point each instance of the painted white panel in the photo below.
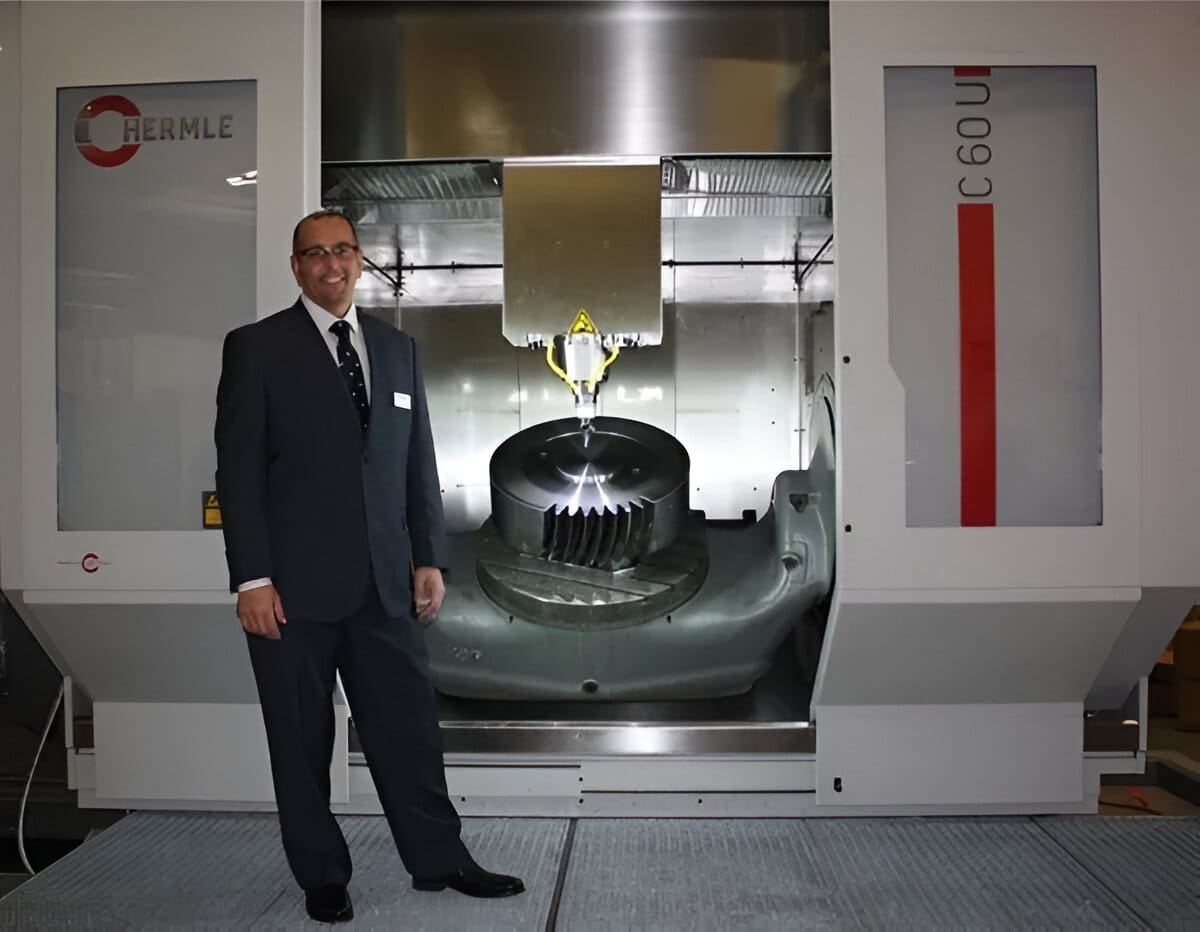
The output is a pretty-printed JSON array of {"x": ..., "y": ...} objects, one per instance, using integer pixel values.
[
  {"x": 977, "y": 646},
  {"x": 92, "y": 44},
  {"x": 1029, "y": 135},
  {"x": 738, "y": 775},
  {"x": 140, "y": 315},
  {"x": 880, "y": 551},
  {"x": 1142, "y": 639},
  {"x": 512, "y": 781},
  {"x": 194, "y": 751},
  {"x": 935, "y": 756}
]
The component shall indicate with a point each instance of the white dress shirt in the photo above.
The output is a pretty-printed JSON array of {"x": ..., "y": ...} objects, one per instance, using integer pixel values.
[{"x": 323, "y": 320}]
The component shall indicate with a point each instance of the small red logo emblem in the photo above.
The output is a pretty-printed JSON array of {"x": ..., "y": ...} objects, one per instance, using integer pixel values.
[{"x": 105, "y": 158}]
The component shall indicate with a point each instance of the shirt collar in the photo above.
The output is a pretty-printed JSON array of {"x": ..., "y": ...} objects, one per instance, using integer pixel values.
[{"x": 324, "y": 320}]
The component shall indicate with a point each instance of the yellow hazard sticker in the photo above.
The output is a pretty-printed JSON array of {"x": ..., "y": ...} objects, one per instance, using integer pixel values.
[
  {"x": 583, "y": 323},
  {"x": 211, "y": 509}
]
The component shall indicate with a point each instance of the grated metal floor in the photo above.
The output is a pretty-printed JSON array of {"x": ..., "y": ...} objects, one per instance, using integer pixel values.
[{"x": 219, "y": 871}]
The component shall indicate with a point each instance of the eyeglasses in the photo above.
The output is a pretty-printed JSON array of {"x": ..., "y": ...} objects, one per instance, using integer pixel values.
[{"x": 340, "y": 250}]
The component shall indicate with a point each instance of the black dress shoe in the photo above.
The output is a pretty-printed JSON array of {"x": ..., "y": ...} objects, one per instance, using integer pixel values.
[
  {"x": 473, "y": 881},
  {"x": 329, "y": 904}
]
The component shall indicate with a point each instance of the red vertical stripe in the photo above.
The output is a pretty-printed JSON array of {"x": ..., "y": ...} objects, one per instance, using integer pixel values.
[{"x": 977, "y": 335}]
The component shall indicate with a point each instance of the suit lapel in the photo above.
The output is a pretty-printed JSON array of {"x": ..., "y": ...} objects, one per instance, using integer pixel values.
[
  {"x": 382, "y": 377},
  {"x": 310, "y": 342},
  {"x": 313, "y": 356}
]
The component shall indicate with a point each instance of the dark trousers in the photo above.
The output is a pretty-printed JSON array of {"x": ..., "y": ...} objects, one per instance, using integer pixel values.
[{"x": 385, "y": 672}]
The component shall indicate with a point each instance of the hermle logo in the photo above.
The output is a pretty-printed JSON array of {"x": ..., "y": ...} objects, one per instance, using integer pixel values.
[{"x": 133, "y": 129}]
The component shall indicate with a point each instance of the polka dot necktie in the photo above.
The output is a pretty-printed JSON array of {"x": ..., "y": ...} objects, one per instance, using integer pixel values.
[{"x": 352, "y": 371}]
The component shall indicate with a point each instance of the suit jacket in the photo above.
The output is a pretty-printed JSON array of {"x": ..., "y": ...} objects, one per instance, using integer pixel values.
[{"x": 305, "y": 498}]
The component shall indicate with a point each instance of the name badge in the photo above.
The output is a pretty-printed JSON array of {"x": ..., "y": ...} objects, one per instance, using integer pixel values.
[{"x": 401, "y": 400}]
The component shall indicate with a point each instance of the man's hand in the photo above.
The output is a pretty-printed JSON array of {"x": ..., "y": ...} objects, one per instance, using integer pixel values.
[
  {"x": 428, "y": 590},
  {"x": 260, "y": 612}
]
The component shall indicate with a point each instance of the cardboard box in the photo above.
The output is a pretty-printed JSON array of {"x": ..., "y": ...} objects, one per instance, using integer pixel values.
[
  {"x": 1162, "y": 699},
  {"x": 1186, "y": 650},
  {"x": 1187, "y": 704}
]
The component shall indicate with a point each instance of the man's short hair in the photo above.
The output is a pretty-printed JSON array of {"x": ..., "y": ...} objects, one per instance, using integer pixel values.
[{"x": 316, "y": 215}]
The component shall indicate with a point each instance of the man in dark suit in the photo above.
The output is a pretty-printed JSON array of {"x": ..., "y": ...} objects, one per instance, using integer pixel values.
[{"x": 334, "y": 537}]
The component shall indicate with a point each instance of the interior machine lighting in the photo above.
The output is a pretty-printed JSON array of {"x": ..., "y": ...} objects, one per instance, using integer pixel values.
[
  {"x": 644, "y": 393},
  {"x": 647, "y": 740},
  {"x": 250, "y": 177}
]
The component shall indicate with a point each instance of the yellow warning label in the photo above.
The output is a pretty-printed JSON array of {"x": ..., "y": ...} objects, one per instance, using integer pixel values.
[
  {"x": 211, "y": 510},
  {"x": 583, "y": 323}
]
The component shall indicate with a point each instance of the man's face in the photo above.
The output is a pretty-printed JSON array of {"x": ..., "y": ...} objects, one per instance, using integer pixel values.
[{"x": 327, "y": 263}]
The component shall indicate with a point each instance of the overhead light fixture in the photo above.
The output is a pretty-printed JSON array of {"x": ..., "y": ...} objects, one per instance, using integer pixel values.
[{"x": 250, "y": 177}]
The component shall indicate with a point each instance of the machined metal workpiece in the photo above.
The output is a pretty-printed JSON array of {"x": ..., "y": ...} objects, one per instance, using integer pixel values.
[{"x": 604, "y": 497}]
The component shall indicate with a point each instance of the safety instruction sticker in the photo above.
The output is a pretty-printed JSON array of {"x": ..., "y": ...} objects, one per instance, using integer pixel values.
[
  {"x": 583, "y": 323},
  {"x": 211, "y": 509}
]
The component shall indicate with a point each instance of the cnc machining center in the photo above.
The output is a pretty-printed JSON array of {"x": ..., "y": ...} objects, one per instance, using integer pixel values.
[{"x": 794, "y": 466}]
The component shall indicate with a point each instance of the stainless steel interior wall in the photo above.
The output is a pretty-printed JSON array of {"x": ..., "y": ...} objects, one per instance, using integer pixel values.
[
  {"x": 725, "y": 381},
  {"x": 458, "y": 80}
]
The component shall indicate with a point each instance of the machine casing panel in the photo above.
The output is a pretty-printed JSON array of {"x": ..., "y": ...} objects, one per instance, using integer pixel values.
[
  {"x": 906, "y": 595},
  {"x": 943, "y": 643}
]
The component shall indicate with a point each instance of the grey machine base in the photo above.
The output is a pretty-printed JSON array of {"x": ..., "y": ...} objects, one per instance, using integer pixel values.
[
  {"x": 762, "y": 579},
  {"x": 204, "y": 871}
]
